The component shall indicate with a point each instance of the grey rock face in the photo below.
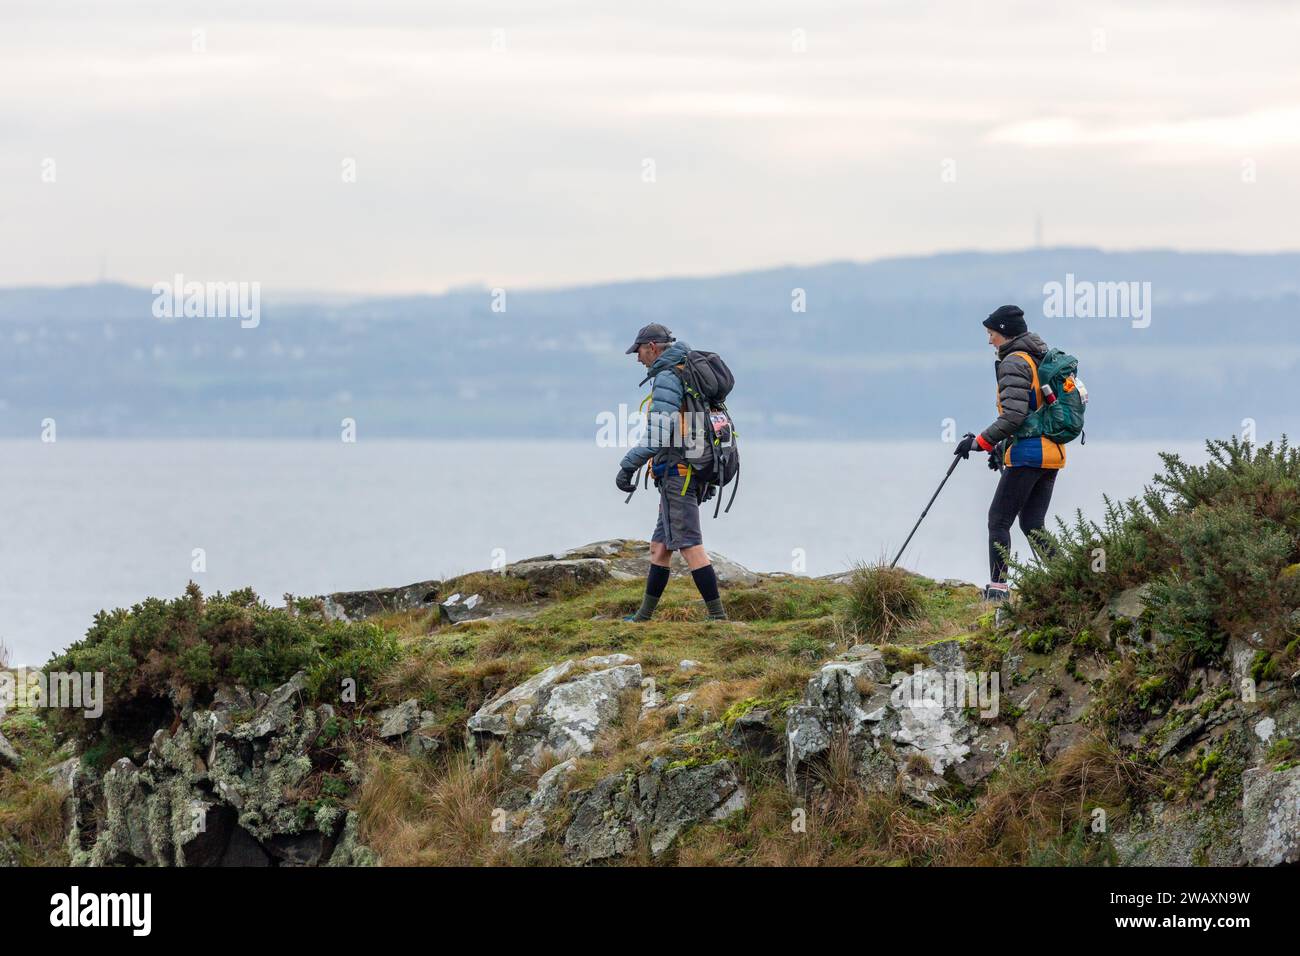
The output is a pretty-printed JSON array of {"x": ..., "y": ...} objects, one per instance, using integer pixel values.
[
  {"x": 1061, "y": 738},
  {"x": 656, "y": 806},
  {"x": 609, "y": 548},
  {"x": 554, "y": 577},
  {"x": 459, "y": 608},
  {"x": 1175, "y": 835},
  {"x": 1181, "y": 736},
  {"x": 530, "y": 823},
  {"x": 904, "y": 728},
  {"x": 399, "y": 720},
  {"x": 1241, "y": 660},
  {"x": 423, "y": 740},
  {"x": 753, "y": 731},
  {"x": 1270, "y": 833},
  {"x": 358, "y": 605},
  {"x": 1131, "y": 603},
  {"x": 562, "y": 709},
  {"x": 218, "y": 791},
  {"x": 843, "y": 697}
]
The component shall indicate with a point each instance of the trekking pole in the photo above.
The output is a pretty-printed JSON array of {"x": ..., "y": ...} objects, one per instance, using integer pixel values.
[{"x": 951, "y": 469}]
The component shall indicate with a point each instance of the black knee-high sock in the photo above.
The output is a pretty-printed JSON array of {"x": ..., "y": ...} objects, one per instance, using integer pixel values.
[
  {"x": 656, "y": 580},
  {"x": 707, "y": 581}
]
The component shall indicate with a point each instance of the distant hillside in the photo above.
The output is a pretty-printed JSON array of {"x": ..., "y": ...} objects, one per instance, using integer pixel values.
[{"x": 884, "y": 349}]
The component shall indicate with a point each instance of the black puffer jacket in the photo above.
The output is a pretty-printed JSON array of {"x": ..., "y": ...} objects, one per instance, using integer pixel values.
[{"x": 1015, "y": 386}]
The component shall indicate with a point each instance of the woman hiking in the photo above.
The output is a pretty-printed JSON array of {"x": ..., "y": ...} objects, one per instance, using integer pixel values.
[{"x": 1028, "y": 465}]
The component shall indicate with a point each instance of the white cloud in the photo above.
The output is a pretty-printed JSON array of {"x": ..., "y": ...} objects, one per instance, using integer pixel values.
[
  {"x": 526, "y": 164},
  {"x": 1254, "y": 130}
]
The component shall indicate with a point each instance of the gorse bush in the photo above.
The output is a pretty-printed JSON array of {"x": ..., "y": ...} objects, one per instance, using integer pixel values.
[
  {"x": 1218, "y": 543},
  {"x": 161, "y": 651},
  {"x": 1227, "y": 573}
]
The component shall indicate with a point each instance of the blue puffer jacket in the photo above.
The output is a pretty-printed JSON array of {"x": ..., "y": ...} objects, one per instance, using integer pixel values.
[{"x": 667, "y": 397}]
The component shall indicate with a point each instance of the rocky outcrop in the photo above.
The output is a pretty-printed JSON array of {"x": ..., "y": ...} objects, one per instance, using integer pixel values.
[
  {"x": 242, "y": 781},
  {"x": 228, "y": 787},
  {"x": 654, "y": 806},
  {"x": 557, "y": 576},
  {"x": 358, "y": 605},
  {"x": 907, "y": 729},
  {"x": 627, "y": 559},
  {"x": 560, "y": 710},
  {"x": 547, "y": 576}
]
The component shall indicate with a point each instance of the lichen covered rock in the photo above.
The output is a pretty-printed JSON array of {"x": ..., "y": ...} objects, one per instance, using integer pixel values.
[
  {"x": 656, "y": 806},
  {"x": 905, "y": 728},
  {"x": 561, "y": 710},
  {"x": 219, "y": 790},
  {"x": 1270, "y": 833}
]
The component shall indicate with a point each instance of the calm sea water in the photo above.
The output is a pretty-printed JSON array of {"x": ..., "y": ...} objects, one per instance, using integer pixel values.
[{"x": 90, "y": 525}]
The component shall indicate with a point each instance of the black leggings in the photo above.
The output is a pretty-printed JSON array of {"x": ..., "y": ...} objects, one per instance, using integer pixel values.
[{"x": 1025, "y": 492}]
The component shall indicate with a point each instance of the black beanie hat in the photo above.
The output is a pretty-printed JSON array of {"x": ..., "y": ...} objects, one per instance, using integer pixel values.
[{"x": 1009, "y": 320}]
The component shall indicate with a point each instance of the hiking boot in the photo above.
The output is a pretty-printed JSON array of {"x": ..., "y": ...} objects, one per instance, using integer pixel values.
[
  {"x": 997, "y": 592},
  {"x": 647, "y": 610}
]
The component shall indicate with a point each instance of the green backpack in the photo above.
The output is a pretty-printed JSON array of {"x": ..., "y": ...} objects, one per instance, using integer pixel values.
[{"x": 1060, "y": 417}]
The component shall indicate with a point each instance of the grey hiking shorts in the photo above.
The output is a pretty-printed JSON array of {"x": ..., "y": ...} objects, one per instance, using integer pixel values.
[{"x": 679, "y": 514}]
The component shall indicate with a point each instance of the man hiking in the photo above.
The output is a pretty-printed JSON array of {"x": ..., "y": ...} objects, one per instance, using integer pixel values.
[
  {"x": 1028, "y": 464},
  {"x": 678, "y": 527}
]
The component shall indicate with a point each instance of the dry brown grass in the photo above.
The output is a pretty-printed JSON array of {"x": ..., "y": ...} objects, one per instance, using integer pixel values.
[
  {"x": 426, "y": 813},
  {"x": 783, "y": 677},
  {"x": 1021, "y": 812},
  {"x": 31, "y": 813},
  {"x": 1027, "y": 814},
  {"x": 493, "y": 586},
  {"x": 715, "y": 697},
  {"x": 625, "y": 732},
  {"x": 693, "y": 612}
]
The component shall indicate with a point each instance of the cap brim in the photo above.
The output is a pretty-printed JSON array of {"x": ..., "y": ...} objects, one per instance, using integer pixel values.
[{"x": 632, "y": 350}]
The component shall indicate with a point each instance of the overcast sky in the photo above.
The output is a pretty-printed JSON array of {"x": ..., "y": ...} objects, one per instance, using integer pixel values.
[{"x": 511, "y": 143}]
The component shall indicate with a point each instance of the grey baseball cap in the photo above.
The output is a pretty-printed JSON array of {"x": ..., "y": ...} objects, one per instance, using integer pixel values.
[{"x": 654, "y": 332}]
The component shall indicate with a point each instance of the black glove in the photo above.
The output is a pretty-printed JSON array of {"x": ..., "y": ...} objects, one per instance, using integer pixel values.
[
  {"x": 964, "y": 446},
  {"x": 625, "y": 481},
  {"x": 995, "y": 461}
]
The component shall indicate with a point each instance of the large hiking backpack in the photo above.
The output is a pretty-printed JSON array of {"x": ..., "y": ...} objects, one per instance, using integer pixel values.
[
  {"x": 1058, "y": 418},
  {"x": 707, "y": 431}
]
